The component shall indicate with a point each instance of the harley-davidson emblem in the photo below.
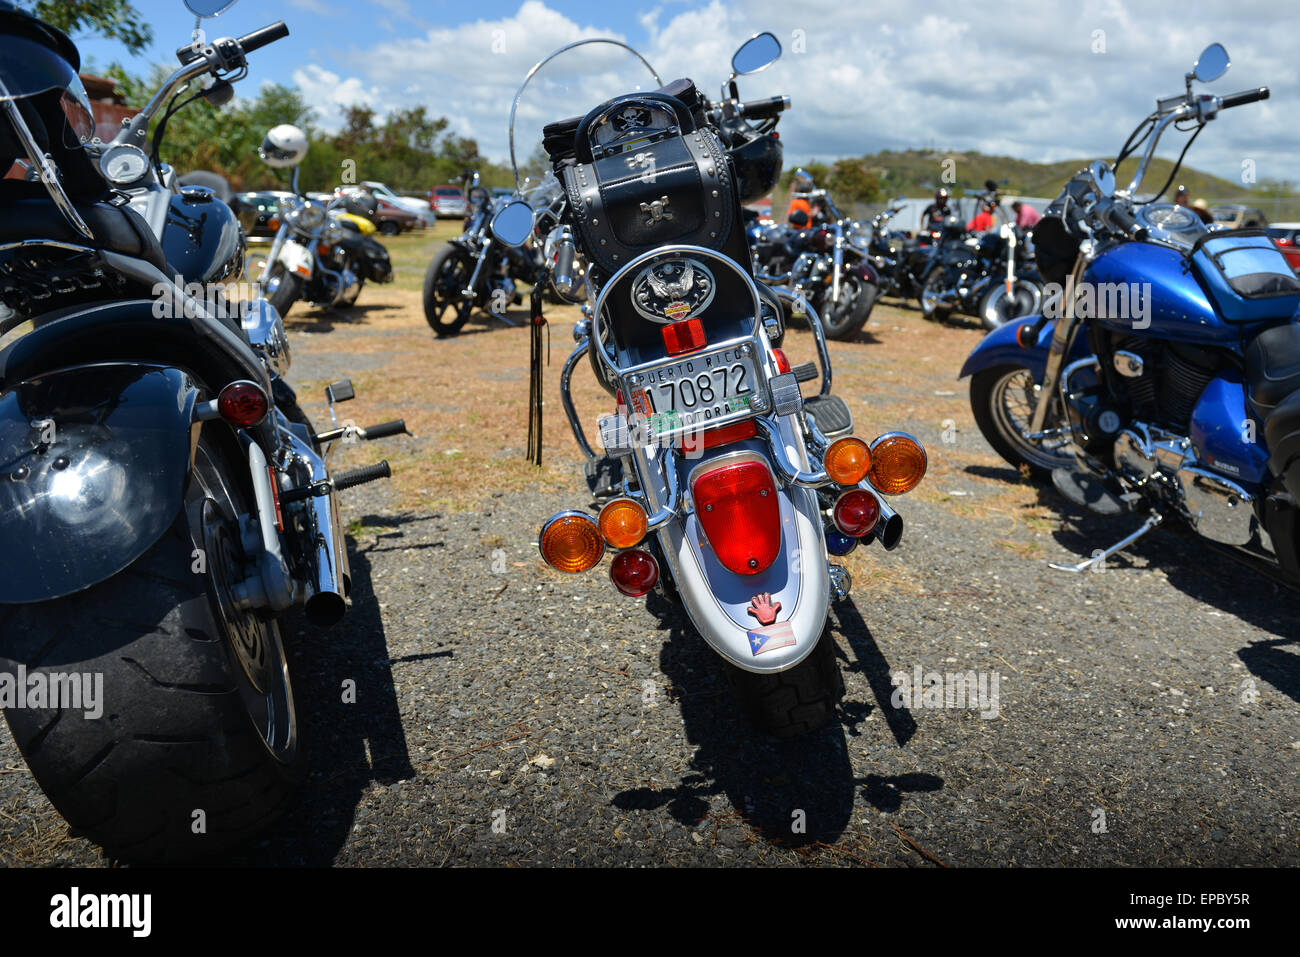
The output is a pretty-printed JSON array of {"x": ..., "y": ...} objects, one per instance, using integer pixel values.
[
  {"x": 671, "y": 290},
  {"x": 658, "y": 210}
]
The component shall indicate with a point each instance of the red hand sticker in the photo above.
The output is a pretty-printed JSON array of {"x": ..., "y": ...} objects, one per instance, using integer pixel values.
[{"x": 761, "y": 607}]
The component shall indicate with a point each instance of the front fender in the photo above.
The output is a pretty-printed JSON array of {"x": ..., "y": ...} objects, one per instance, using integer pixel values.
[
  {"x": 93, "y": 465},
  {"x": 1000, "y": 348},
  {"x": 867, "y": 271}
]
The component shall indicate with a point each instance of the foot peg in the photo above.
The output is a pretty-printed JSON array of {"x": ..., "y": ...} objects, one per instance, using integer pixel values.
[
  {"x": 367, "y": 473},
  {"x": 1152, "y": 521},
  {"x": 806, "y": 372},
  {"x": 381, "y": 431}
]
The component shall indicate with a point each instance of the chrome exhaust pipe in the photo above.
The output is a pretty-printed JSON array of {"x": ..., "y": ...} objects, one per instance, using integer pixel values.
[
  {"x": 889, "y": 527},
  {"x": 328, "y": 588},
  {"x": 329, "y": 581}
]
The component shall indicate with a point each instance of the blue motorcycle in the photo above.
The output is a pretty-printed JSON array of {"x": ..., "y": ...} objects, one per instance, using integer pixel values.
[{"x": 1163, "y": 376}]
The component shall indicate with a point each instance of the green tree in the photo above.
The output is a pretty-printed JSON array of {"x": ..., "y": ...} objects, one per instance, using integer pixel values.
[
  {"x": 851, "y": 181},
  {"x": 116, "y": 19}
]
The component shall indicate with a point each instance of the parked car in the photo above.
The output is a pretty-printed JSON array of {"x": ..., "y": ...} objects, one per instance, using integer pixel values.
[
  {"x": 389, "y": 218},
  {"x": 1287, "y": 238},
  {"x": 410, "y": 204},
  {"x": 256, "y": 209},
  {"x": 449, "y": 201},
  {"x": 1235, "y": 216}
]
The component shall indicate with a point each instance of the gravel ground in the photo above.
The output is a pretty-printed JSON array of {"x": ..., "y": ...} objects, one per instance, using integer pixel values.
[{"x": 1148, "y": 714}]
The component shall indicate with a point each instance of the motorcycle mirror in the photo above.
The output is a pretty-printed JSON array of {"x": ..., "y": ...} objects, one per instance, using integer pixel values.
[
  {"x": 208, "y": 8},
  {"x": 513, "y": 223},
  {"x": 1103, "y": 176},
  {"x": 1212, "y": 63},
  {"x": 757, "y": 53}
]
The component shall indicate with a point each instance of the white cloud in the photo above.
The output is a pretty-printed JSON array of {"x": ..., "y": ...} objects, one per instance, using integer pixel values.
[
  {"x": 327, "y": 93},
  {"x": 1021, "y": 79},
  {"x": 318, "y": 7}
]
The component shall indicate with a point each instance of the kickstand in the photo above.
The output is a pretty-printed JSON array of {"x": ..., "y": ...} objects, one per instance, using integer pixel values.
[{"x": 1152, "y": 521}]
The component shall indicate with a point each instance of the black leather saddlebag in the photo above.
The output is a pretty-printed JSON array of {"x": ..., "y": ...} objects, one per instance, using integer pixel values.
[{"x": 672, "y": 189}]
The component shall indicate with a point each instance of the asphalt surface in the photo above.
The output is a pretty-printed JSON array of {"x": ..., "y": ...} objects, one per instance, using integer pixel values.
[{"x": 1147, "y": 714}]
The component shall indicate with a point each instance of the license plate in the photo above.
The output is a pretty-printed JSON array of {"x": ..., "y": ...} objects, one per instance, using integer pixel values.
[{"x": 695, "y": 393}]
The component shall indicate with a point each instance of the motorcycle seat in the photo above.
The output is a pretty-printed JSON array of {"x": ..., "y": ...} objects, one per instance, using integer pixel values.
[
  {"x": 1273, "y": 366},
  {"x": 830, "y": 413},
  {"x": 117, "y": 229}
]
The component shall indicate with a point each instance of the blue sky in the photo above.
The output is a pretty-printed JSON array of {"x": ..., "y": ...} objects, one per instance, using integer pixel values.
[{"x": 1038, "y": 79}]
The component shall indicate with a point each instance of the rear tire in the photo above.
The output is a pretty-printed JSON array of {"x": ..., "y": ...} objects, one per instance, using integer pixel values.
[
  {"x": 445, "y": 309},
  {"x": 389, "y": 228},
  {"x": 792, "y": 703},
  {"x": 185, "y": 725}
]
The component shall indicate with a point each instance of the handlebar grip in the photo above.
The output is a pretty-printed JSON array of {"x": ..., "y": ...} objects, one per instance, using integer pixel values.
[
  {"x": 764, "y": 109},
  {"x": 260, "y": 38},
  {"x": 1244, "y": 97},
  {"x": 385, "y": 429},
  {"x": 1123, "y": 219}
]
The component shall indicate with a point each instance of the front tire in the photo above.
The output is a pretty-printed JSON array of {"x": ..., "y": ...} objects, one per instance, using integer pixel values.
[
  {"x": 198, "y": 747},
  {"x": 931, "y": 306},
  {"x": 445, "y": 309},
  {"x": 1002, "y": 400},
  {"x": 996, "y": 308},
  {"x": 792, "y": 703},
  {"x": 845, "y": 321}
]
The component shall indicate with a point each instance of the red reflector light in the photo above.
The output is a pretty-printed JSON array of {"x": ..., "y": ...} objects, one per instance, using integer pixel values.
[
  {"x": 634, "y": 572},
  {"x": 722, "y": 435},
  {"x": 737, "y": 508},
  {"x": 242, "y": 404},
  {"x": 685, "y": 336},
  {"x": 856, "y": 512},
  {"x": 782, "y": 363}
]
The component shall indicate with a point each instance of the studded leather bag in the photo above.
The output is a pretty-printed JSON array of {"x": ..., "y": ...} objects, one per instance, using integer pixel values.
[{"x": 677, "y": 190}]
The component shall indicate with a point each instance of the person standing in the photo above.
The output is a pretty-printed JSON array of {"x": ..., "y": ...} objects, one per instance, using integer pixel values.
[{"x": 1026, "y": 215}]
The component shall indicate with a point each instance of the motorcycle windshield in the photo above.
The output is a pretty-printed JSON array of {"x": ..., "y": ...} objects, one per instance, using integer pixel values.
[
  {"x": 566, "y": 85},
  {"x": 28, "y": 69}
]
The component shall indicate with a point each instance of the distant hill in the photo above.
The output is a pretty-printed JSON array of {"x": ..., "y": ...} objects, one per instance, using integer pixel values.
[{"x": 916, "y": 173}]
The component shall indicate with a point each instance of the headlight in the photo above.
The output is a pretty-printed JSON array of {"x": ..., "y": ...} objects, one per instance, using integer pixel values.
[{"x": 308, "y": 217}]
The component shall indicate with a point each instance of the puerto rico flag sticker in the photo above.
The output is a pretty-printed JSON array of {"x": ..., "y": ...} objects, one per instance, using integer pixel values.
[{"x": 770, "y": 637}]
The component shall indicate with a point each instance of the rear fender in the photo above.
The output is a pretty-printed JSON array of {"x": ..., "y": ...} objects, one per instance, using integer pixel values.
[
  {"x": 717, "y": 600},
  {"x": 93, "y": 466}
]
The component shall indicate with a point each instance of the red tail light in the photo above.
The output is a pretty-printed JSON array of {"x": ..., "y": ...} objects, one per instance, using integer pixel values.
[
  {"x": 856, "y": 512},
  {"x": 242, "y": 404},
  {"x": 782, "y": 363},
  {"x": 634, "y": 572},
  {"x": 685, "y": 336},
  {"x": 737, "y": 508}
]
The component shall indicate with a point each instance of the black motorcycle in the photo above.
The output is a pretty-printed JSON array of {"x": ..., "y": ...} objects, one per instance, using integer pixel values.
[
  {"x": 163, "y": 499},
  {"x": 823, "y": 259},
  {"x": 989, "y": 275},
  {"x": 902, "y": 261},
  {"x": 474, "y": 270}
]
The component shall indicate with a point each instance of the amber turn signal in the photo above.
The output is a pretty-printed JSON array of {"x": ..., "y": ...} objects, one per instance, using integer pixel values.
[
  {"x": 898, "y": 463},
  {"x": 571, "y": 542},
  {"x": 622, "y": 523},
  {"x": 847, "y": 461}
]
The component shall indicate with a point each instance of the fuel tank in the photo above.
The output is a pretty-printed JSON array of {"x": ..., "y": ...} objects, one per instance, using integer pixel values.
[
  {"x": 1150, "y": 290},
  {"x": 203, "y": 240}
]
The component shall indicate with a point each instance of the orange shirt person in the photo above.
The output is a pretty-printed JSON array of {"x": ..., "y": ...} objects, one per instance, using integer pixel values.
[{"x": 982, "y": 222}]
